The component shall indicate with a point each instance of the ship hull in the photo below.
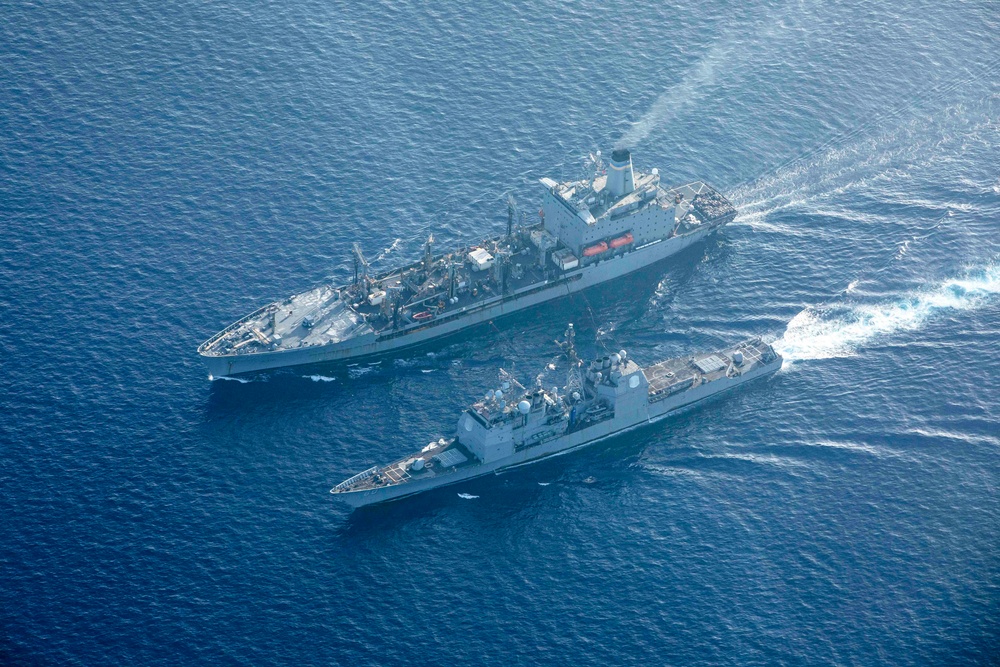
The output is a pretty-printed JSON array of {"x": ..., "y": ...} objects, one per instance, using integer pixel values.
[
  {"x": 655, "y": 411},
  {"x": 371, "y": 344}
]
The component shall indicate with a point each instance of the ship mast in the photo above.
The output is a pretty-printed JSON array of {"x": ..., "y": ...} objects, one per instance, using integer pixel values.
[
  {"x": 360, "y": 263},
  {"x": 511, "y": 210},
  {"x": 574, "y": 379},
  {"x": 428, "y": 257}
]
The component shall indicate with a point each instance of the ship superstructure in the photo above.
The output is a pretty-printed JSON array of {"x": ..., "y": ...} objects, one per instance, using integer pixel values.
[
  {"x": 611, "y": 223},
  {"x": 514, "y": 426}
]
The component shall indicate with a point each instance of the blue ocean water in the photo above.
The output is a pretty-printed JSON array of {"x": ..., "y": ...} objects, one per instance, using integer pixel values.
[{"x": 168, "y": 167}]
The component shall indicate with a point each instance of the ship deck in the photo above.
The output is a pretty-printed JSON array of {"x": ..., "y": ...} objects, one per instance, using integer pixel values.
[
  {"x": 672, "y": 375},
  {"x": 328, "y": 315},
  {"x": 439, "y": 305},
  {"x": 441, "y": 457}
]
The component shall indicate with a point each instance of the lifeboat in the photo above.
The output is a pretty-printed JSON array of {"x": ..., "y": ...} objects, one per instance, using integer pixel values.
[
  {"x": 595, "y": 249},
  {"x": 426, "y": 315},
  {"x": 622, "y": 240}
]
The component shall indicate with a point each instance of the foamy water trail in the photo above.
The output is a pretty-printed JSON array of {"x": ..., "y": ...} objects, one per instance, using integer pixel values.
[
  {"x": 355, "y": 372},
  {"x": 840, "y": 331},
  {"x": 320, "y": 378}
]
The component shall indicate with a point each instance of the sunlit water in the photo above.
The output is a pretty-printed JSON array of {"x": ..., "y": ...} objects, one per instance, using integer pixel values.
[{"x": 168, "y": 167}]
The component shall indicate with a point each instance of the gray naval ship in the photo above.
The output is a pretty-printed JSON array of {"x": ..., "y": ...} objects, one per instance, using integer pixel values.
[
  {"x": 614, "y": 221},
  {"x": 512, "y": 426}
]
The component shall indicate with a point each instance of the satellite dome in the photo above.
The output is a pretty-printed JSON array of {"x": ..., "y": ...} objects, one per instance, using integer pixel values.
[
  {"x": 524, "y": 407},
  {"x": 498, "y": 394}
]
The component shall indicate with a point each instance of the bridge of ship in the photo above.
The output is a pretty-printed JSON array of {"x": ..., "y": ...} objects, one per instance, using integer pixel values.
[{"x": 648, "y": 188}]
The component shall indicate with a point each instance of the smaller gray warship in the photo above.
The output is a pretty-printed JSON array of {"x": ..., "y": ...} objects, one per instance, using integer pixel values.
[{"x": 513, "y": 426}]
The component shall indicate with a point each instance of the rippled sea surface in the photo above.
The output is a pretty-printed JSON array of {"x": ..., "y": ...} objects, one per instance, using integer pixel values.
[{"x": 167, "y": 167}]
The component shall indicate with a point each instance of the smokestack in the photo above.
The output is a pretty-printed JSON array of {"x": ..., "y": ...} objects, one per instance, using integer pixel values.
[{"x": 621, "y": 181}]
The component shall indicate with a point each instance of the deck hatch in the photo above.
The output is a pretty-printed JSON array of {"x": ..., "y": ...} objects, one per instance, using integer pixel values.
[
  {"x": 710, "y": 364},
  {"x": 451, "y": 457}
]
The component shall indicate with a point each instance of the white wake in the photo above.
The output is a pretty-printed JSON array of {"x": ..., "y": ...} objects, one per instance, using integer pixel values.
[{"x": 840, "y": 331}]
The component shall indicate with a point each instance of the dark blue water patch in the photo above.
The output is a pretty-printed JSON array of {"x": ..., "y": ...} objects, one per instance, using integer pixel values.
[{"x": 168, "y": 168}]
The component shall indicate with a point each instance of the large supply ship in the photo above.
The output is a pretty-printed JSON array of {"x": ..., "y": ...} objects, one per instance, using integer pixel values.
[
  {"x": 613, "y": 222},
  {"x": 513, "y": 426}
]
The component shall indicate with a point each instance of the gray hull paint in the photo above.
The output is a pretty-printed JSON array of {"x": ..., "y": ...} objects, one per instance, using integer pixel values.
[
  {"x": 370, "y": 344},
  {"x": 655, "y": 411}
]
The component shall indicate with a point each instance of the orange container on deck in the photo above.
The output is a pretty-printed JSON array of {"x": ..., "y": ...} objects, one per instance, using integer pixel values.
[
  {"x": 622, "y": 240},
  {"x": 595, "y": 249}
]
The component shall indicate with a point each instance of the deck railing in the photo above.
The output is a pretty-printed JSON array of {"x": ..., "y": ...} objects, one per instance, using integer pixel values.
[
  {"x": 204, "y": 347},
  {"x": 360, "y": 477}
]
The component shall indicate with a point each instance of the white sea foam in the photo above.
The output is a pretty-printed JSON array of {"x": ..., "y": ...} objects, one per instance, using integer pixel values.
[
  {"x": 356, "y": 372},
  {"x": 840, "y": 331},
  {"x": 231, "y": 379},
  {"x": 386, "y": 251},
  {"x": 321, "y": 378},
  {"x": 467, "y": 496}
]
